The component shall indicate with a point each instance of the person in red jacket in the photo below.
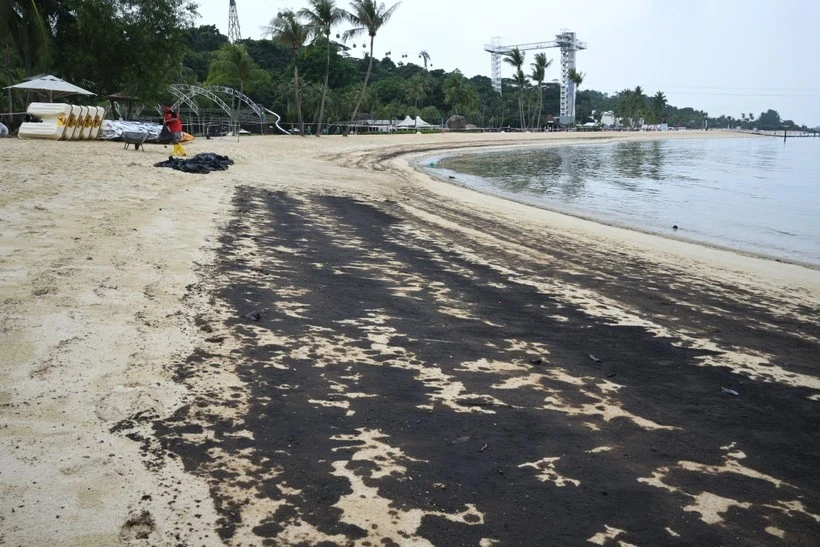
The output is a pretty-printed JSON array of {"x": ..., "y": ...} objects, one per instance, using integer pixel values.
[{"x": 174, "y": 125}]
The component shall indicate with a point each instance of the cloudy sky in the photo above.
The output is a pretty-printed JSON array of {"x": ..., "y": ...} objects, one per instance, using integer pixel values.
[{"x": 721, "y": 56}]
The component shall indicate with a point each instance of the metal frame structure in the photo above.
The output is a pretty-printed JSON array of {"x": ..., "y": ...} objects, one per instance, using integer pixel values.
[
  {"x": 234, "y": 34},
  {"x": 569, "y": 45},
  {"x": 186, "y": 94}
]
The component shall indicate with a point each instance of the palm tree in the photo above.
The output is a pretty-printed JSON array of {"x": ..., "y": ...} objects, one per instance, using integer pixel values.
[
  {"x": 24, "y": 23},
  {"x": 366, "y": 16},
  {"x": 515, "y": 57},
  {"x": 577, "y": 78},
  {"x": 458, "y": 92},
  {"x": 539, "y": 70},
  {"x": 233, "y": 65},
  {"x": 658, "y": 104},
  {"x": 415, "y": 89},
  {"x": 625, "y": 107},
  {"x": 320, "y": 21},
  {"x": 638, "y": 101},
  {"x": 288, "y": 31}
]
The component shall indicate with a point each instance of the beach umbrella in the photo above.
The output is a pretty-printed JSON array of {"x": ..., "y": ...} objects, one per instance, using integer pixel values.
[{"x": 54, "y": 86}]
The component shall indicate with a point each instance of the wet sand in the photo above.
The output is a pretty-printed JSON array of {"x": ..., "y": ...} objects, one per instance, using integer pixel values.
[{"x": 323, "y": 344}]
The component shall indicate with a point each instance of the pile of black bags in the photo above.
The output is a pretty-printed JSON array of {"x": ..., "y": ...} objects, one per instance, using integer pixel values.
[{"x": 202, "y": 163}]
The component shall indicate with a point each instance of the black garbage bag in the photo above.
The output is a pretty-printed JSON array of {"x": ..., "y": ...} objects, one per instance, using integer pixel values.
[
  {"x": 165, "y": 136},
  {"x": 203, "y": 163}
]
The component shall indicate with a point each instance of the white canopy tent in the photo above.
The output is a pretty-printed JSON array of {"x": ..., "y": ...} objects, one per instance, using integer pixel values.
[
  {"x": 406, "y": 123},
  {"x": 410, "y": 123},
  {"x": 421, "y": 124},
  {"x": 54, "y": 86}
]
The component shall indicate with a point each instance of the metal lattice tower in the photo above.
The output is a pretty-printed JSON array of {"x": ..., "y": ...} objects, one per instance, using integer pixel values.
[
  {"x": 234, "y": 34},
  {"x": 567, "y": 42},
  {"x": 495, "y": 60}
]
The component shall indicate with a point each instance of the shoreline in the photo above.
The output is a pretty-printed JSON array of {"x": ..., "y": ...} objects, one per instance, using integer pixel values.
[
  {"x": 418, "y": 164},
  {"x": 137, "y": 402}
]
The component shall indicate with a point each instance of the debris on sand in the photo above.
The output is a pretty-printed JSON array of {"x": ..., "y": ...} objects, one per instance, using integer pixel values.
[
  {"x": 202, "y": 163},
  {"x": 729, "y": 391},
  {"x": 594, "y": 358}
]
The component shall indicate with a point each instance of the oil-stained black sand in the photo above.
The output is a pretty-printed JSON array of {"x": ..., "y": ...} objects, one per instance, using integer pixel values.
[{"x": 405, "y": 385}]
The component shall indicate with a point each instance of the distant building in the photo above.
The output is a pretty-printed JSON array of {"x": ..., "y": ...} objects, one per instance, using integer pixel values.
[{"x": 608, "y": 118}]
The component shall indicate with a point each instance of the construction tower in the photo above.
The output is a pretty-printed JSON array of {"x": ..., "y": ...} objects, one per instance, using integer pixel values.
[
  {"x": 234, "y": 35},
  {"x": 567, "y": 42}
]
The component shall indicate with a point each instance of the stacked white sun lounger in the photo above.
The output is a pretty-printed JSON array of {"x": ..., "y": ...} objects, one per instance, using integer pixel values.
[{"x": 60, "y": 121}]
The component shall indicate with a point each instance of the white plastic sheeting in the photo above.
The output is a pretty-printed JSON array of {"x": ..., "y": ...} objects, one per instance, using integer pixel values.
[{"x": 112, "y": 130}]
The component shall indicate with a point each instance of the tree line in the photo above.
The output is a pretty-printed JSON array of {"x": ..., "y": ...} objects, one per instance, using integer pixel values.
[{"x": 316, "y": 66}]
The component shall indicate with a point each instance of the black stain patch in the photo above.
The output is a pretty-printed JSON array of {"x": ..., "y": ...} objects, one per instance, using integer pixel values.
[{"x": 349, "y": 262}]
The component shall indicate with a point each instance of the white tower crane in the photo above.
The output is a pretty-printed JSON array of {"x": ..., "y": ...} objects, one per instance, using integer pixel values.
[{"x": 568, "y": 44}]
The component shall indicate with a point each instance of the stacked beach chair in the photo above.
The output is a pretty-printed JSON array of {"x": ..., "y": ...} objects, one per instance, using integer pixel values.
[{"x": 60, "y": 121}]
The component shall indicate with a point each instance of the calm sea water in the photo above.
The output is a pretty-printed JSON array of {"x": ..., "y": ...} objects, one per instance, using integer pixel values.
[{"x": 757, "y": 195}]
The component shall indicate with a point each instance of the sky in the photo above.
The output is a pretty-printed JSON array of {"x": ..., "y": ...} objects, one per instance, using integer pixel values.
[{"x": 722, "y": 56}]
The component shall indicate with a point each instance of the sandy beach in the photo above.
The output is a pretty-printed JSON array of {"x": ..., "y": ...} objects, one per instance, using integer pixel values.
[{"x": 325, "y": 344}]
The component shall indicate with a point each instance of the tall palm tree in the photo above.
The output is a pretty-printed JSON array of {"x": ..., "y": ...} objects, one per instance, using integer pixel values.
[
  {"x": 515, "y": 57},
  {"x": 455, "y": 90},
  {"x": 366, "y": 16},
  {"x": 658, "y": 104},
  {"x": 539, "y": 71},
  {"x": 24, "y": 24},
  {"x": 233, "y": 65},
  {"x": 521, "y": 80},
  {"x": 415, "y": 89},
  {"x": 291, "y": 33},
  {"x": 321, "y": 17},
  {"x": 639, "y": 102},
  {"x": 577, "y": 78},
  {"x": 624, "y": 108}
]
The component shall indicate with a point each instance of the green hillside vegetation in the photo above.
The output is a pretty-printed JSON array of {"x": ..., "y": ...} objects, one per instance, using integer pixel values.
[{"x": 144, "y": 46}]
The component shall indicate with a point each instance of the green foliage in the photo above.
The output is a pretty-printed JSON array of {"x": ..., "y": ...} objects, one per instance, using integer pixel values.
[
  {"x": 390, "y": 89},
  {"x": 577, "y": 78},
  {"x": 232, "y": 66},
  {"x": 138, "y": 51},
  {"x": 367, "y": 16},
  {"x": 321, "y": 17},
  {"x": 515, "y": 58},
  {"x": 145, "y": 45},
  {"x": 313, "y": 64},
  {"x": 204, "y": 39},
  {"x": 460, "y": 94},
  {"x": 290, "y": 32},
  {"x": 431, "y": 114},
  {"x": 770, "y": 120},
  {"x": 200, "y": 43},
  {"x": 415, "y": 89},
  {"x": 24, "y": 27}
]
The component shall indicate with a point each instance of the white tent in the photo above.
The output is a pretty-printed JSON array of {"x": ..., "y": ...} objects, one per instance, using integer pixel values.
[
  {"x": 410, "y": 123},
  {"x": 406, "y": 123},
  {"x": 421, "y": 124},
  {"x": 51, "y": 84}
]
